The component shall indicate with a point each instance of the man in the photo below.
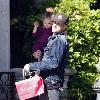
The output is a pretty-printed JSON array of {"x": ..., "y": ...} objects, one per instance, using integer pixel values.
[{"x": 52, "y": 65}]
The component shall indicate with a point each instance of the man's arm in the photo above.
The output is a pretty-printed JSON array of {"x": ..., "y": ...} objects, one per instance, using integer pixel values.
[{"x": 52, "y": 60}]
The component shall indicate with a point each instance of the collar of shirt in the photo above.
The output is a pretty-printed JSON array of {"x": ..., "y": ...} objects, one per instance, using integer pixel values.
[{"x": 56, "y": 35}]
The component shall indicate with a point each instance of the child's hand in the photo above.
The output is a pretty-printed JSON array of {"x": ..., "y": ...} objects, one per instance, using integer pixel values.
[
  {"x": 50, "y": 9},
  {"x": 36, "y": 24},
  {"x": 37, "y": 54}
]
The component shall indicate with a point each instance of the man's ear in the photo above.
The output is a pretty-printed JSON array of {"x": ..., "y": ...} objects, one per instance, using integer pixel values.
[{"x": 64, "y": 27}]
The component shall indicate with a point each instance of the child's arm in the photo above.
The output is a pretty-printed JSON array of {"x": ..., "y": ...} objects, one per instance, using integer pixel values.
[{"x": 36, "y": 25}]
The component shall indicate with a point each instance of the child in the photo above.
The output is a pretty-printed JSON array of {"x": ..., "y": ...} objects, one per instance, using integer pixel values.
[
  {"x": 42, "y": 33},
  {"x": 52, "y": 65}
]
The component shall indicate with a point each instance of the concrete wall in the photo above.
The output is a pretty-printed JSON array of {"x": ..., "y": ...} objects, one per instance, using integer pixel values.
[{"x": 4, "y": 34}]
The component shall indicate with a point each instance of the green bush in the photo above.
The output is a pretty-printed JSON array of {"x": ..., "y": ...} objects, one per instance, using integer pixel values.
[{"x": 84, "y": 37}]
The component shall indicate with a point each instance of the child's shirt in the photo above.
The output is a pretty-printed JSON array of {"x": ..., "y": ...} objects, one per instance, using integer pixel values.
[{"x": 42, "y": 35}]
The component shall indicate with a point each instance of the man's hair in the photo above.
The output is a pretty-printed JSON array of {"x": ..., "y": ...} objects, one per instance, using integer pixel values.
[{"x": 60, "y": 18}]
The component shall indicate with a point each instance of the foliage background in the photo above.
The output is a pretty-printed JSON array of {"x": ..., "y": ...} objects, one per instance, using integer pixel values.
[
  {"x": 83, "y": 33},
  {"x": 84, "y": 39}
]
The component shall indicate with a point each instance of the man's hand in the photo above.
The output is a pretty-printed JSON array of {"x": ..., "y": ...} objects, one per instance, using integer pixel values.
[
  {"x": 37, "y": 54},
  {"x": 26, "y": 70}
]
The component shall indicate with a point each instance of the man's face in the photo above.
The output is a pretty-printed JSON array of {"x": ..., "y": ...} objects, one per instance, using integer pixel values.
[{"x": 57, "y": 28}]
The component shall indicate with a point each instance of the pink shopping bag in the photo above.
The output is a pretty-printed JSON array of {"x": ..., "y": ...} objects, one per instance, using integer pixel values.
[{"x": 30, "y": 87}]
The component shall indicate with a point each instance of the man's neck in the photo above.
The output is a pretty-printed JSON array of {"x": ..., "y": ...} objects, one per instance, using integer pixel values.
[{"x": 56, "y": 33}]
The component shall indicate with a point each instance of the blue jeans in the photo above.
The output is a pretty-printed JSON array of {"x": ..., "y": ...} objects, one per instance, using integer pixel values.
[{"x": 50, "y": 95}]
